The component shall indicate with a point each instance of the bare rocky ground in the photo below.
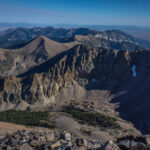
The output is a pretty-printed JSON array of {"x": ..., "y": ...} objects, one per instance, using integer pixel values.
[
  {"x": 65, "y": 121},
  {"x": 70, "y": 134},
  {"x": 16, "y": 137}
]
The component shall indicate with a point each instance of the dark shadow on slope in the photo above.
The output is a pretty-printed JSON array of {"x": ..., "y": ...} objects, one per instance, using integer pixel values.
[
  {"x": 135, "y": 102},
  {"x": 46, "y": 66},
  {"x": 134, "y": 98}
]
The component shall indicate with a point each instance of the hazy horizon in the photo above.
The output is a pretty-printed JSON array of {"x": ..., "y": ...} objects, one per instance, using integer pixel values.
[
  {"x": 85, "y": 12},
  {"x": 67, "y": 24}
]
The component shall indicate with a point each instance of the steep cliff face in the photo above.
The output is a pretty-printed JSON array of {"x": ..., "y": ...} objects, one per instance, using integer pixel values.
[
  {"x": 87, "y": 67},
  {"x": 114, "y": 80},
  {"x": 110, "y": 41},
  {"x": 39, "y": 50}
]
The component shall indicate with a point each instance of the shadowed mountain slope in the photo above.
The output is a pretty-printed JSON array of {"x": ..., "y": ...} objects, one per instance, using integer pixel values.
[
  {"x": 108, "y": 43},
  {"x": 14, "y": 62},
  {"x": 19, "y": 37},
  {"x": 15, "y": 38},
  {"x": 83, "y": 72}
]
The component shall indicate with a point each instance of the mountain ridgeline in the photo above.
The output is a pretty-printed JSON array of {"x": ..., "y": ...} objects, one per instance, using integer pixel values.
[
  {"x": 110, "y": 68},
  {"x": 19, "y": 37},
  {"x": 73, "y": 73},
  {"x": 37, "y": 50}
]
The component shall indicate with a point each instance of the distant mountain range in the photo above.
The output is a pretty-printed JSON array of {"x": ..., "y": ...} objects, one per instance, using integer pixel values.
[
  {"x": 18, "y": 37},
  {"x": 113, "y": 39},
  {"x": 137, "y": 31},
  {"x": 5, "y": 26}
]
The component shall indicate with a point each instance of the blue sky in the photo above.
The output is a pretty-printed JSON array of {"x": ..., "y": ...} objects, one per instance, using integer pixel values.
[{"x": 97, "y": 12}]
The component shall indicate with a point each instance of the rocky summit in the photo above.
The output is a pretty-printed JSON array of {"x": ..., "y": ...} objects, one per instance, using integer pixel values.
[{"x": 33, "y": 140}]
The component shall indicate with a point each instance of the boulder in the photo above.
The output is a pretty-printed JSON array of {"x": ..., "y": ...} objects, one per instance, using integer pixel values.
[
  {"x": 133, "y": 143},
  {"x": 81, "y": 142},
  {"x": 23, "y": 141},
  {"x": 124, "y": 144},
  {"x": 148, "y": 140},
  {"x": 12, "y": 142},
  {"x": 139, "y": 146},
  {"x": 17, "y": 137},
  {"x": 46, "y": 145},
  {"x": 66, "y": 136},
  {"x": 35, "y": 143},
  {"x": 26, "y": 147},
  {"x": 94, "y": 145},
  {"x": 68, "y": 148},
  {"x": 50, "y": 137},
  {"x": 2, "y": 137},
  {"x": 110, "y": 146},
  {"x": 42, "y": 138},
  {"x": 55, "y": 145},
  {"x": 9, "y": 148}
]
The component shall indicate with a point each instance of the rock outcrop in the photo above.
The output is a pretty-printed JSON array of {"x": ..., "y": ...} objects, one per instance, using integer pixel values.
[
  {"x": 73, "y": 73},
  {"x": 16, "y": 61},
  {"x": 35, "y": 140},
  {"x": 108, "y": 42},
  {"x": 80, "y": 66}
]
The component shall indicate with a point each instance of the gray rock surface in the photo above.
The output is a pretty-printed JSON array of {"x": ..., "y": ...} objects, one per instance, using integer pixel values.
[{"x": 33, "y": 140}]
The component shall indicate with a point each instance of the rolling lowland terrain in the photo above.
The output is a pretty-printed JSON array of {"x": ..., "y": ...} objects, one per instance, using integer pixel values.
[{"x": 93, "y": 84}]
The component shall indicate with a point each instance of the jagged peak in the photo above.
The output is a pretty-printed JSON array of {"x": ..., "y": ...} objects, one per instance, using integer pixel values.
[{"x": 41, "y": 37}]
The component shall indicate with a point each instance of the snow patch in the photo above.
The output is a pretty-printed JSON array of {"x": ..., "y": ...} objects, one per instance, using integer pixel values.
[{"x": 133, "y": 69}]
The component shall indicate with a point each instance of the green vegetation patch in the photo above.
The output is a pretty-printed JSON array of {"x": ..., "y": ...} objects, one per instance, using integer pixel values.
[
  {"x": 92, "y": 118},
  {"x": 26, "y": 118}
]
